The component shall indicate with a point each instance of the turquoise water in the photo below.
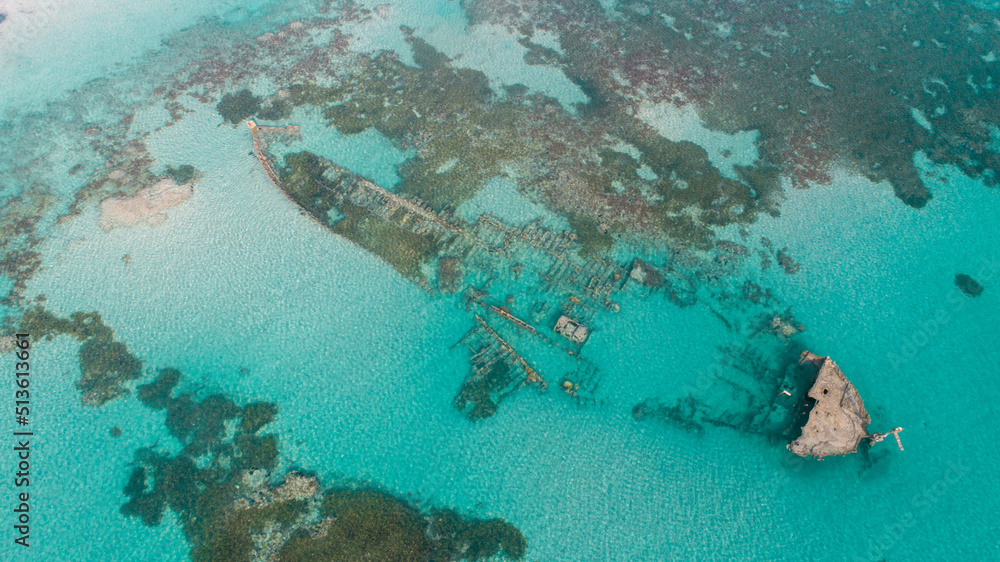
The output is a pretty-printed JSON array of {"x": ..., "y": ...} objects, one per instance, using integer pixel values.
[{"x": 247, "y": 295}]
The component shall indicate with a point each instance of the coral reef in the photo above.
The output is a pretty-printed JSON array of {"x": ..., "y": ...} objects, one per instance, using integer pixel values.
[
  {"x": 865, "y": 83},
  {"x": 618, "y": 183},
  {"x": 156, "y": 394},
  {"x": 182, "y": 174},
  {"x": 8, "y": 343},
  {"x": 106, "y": 365},
  {"x": 130, "y": 171},
  {"x": 234, "y": 108},
  {"x": 464, "y": 134},
  {"x": 20, "y": 219},
  {"x": 221, "y": 486},
  {"x": 372, "y": 525},
  {"x": 440, "y": 110},
  {"x": 802, "y": 77}
]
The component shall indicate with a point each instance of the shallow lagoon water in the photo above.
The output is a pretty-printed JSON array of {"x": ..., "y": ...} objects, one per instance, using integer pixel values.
[{"x": 362, "y": 365}]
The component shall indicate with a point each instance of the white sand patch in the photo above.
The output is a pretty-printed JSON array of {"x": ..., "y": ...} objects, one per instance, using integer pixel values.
[
  {"x": 447, "y": 166},
  {"x": 669, "y": 21},
  {"x": 639, "y": 8},
  {"x": 683, "y": 124},
  {"x": 815, "y": 81},
  {"x": 147, "y": 206},
  {"x": 722, "y": 29},
  {"x": 547, "y": 39},
  {"x": 381, "y": 31},
  {"x": 609, "y": 6},
  {"x": 627, "y": 148},
  {"x": 646, "y": 173},
  {"x": 921, "y": 119}
]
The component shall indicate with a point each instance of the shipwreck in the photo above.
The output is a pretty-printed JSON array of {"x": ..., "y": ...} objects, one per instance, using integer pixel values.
[
  {"x": 838, "y": 421},
  {"x": 417, "y": 240}
]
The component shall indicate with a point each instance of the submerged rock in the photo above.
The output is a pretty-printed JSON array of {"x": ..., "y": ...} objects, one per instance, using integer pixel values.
[
  {"x": 968, "y": 285},
  {"x": 838, "y": 421}
]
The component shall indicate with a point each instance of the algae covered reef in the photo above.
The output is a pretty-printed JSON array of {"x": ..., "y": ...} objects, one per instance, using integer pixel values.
[
  {"x": 808, "y": 91},
  {"x": 864, "y": 84},
  {"x": 631, "y": 215},
  {"x": 234, "y": 504},
  {"x": 624, "y": 190},
  {"x": 224, "y": 480},
  {"x": 584, "y": 167},
  {"x": 968, "y": 285},
  {"x": 106, "y": 365},
  {"x": 234, "y": 108}
]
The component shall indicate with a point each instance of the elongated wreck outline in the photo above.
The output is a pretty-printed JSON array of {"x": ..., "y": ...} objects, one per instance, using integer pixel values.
[{"x": 838, "y": 421}]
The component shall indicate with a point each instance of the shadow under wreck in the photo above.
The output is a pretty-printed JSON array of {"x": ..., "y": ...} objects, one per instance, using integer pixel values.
[{"x": 755, "y": 388}]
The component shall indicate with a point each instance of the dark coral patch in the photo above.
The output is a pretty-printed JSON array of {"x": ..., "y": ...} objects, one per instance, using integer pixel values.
[
  {"x": 220, "y": 487},
  {"x": 968, "y": 285},
  {"x": 156, "y": 395},
  {"x": 234, "y": 108},
  {"x": 106, "y": 365},
  {"x": 182, "y": 174}
]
